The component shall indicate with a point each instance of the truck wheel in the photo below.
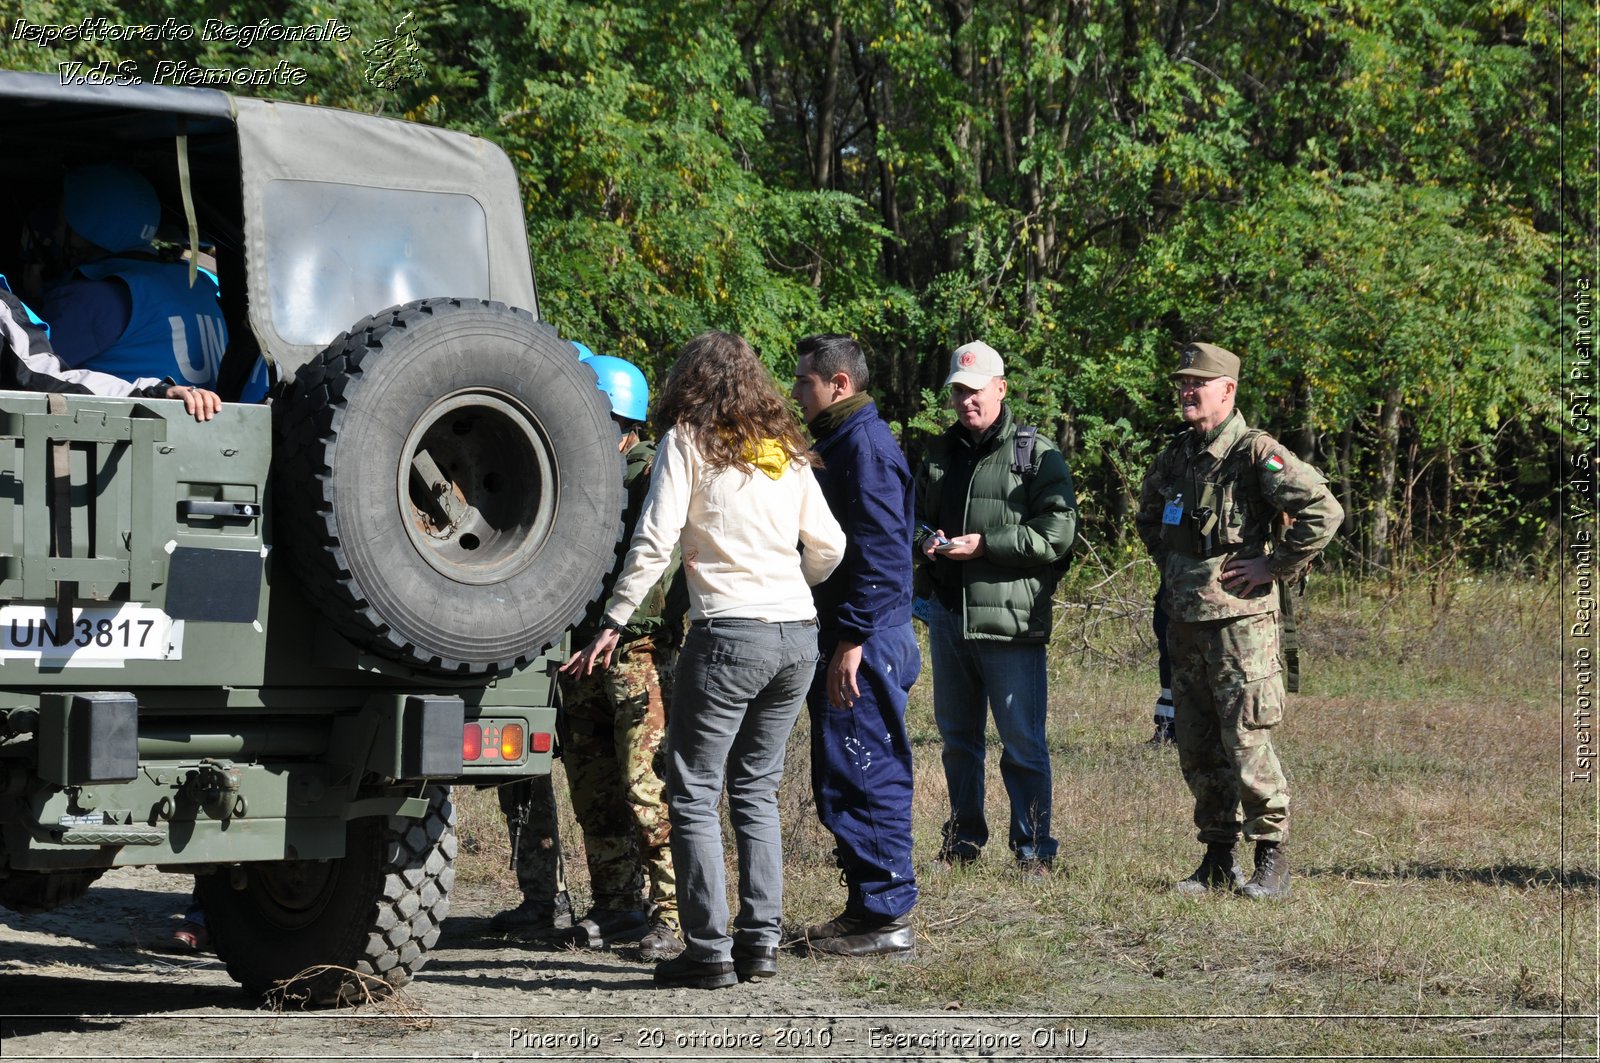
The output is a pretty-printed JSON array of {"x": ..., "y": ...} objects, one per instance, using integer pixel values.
[
  {"x": 31, "y": 892},
  {"x": 448, "y": 485},
  {"x": 352, "y": 928}
]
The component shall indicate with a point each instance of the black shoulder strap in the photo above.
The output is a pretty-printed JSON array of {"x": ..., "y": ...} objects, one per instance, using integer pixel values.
[
  {"x": 1024, "y": 465},
  {"x": 1022, "y": 462}
]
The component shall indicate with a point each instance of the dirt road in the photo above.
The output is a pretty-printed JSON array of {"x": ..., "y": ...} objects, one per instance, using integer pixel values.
[{"x": 84, "y": 982}]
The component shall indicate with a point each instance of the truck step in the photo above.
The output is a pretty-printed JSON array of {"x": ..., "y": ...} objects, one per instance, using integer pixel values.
[{"x": 108, "y": 834}]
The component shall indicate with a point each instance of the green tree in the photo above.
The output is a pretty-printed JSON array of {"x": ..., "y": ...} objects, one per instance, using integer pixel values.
[{"x": 1374, "y": 202}]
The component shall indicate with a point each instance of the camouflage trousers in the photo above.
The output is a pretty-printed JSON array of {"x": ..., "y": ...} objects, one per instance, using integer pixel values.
[
  {"x": 530, "y": 809},
  {"x": 615, "y": 723},
  {"x": 1227, "y": 690}
]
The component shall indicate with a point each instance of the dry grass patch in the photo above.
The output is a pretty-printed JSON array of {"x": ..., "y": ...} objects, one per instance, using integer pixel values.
[{"x": 1424, "y": 766}]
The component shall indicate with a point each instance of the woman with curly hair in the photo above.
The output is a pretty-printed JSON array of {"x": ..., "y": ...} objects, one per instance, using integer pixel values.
[{"x": 733, "y": 488}]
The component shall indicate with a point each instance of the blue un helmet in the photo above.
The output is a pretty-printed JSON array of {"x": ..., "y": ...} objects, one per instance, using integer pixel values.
[
  {"x": 111, "y": 205},
  {"x": 584, "y": 353},
  {"x": 623, "y": 384}
]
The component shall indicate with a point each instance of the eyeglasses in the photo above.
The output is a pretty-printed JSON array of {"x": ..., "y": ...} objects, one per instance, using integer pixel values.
[{"x": 1189, "y": 383}]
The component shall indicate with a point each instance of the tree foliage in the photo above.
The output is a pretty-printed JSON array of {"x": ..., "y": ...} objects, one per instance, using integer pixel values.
[{"x": 1374, "y": 203}]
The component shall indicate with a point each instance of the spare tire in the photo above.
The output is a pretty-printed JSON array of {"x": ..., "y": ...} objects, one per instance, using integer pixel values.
[{"x": 447, "y": 485}]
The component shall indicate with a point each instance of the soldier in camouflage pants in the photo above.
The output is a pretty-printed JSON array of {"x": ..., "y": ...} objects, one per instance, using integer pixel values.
[
  {"x": 611, "y": 746},
  {"x": 1207, "y": 513},
  {"x": 615, "y": 723},
  {"x": 1224, "y": 732},
  {"x": 616, "y": 718},
  {"x": 546, "y": 908}
]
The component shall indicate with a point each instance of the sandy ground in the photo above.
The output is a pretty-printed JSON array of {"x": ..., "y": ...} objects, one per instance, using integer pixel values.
[{"x": 84, "y": 982}]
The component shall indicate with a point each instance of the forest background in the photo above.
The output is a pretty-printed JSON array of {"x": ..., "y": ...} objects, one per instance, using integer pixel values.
[{"x": 1380, "y": 204}]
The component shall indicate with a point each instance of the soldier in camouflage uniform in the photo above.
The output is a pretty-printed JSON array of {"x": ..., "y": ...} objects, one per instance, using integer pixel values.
[
  {"x": 546, "y": 908},
  {"x": 1207, "y": 512},
  {"x": 616, "y": 719},
  {"x": 612, "y": 726},
  {"x": 615, "y": 723}
]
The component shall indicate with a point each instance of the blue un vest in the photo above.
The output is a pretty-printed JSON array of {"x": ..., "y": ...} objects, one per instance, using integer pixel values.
[{"x": 175, "y": 330}]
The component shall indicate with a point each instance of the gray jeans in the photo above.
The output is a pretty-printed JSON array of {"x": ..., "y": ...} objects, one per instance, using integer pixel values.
[{"x": 739, "y": 688}]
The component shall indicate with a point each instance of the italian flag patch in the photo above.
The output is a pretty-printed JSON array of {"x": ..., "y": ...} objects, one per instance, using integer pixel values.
[{"x": 1274, "y": 463}]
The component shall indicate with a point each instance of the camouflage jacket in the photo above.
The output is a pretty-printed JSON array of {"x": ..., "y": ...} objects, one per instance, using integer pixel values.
[
  {"x": 662, "y": 612},
  {"x": 1213, "y": 496}
]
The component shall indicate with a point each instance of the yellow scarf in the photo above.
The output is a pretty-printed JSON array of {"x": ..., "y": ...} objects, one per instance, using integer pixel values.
[{"x": 768, "y": 456}]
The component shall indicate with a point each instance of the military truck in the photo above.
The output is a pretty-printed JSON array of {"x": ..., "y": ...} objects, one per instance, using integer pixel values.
[{"x": 262, "y": 649}]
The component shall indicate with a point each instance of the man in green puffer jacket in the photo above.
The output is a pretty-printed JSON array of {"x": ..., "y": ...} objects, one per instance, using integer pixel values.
[{"x": 997, "y": 519}]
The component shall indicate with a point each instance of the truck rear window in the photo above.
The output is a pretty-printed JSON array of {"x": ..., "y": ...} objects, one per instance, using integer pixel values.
[{"x": 340, "y": 252}]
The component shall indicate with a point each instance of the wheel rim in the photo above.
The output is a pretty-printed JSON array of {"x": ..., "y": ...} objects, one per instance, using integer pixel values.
[
  {"x": 477, "y": 486},
  {"x": 293, "y": 893}
]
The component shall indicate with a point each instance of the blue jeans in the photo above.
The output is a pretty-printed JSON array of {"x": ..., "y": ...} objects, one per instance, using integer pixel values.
[
  {"x": 738, "y": 690},
  {"x": 971, "y": 677},
  {"x": 861, "y": 772}
]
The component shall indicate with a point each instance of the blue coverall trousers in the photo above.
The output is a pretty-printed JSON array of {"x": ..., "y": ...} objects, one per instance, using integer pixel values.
[{"x": 861, "y": 771}]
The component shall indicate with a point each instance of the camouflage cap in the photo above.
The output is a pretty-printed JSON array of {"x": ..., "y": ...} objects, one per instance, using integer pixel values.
[{"x": 1206, "y": 361}]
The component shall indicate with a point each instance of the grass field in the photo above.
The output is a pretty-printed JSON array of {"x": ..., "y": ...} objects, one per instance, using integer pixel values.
[{"x": 1433, "y": 912}]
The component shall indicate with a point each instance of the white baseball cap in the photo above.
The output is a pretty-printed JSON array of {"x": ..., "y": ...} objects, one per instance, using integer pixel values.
[{"x": 974, "y": 364}]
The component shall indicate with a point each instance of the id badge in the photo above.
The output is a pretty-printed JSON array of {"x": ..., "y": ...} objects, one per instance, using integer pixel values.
[{"x": 1173, "y": 513}]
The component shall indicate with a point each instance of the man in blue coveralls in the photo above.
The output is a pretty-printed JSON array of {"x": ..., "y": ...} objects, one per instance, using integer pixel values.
[{"x": 860, "y": 753}]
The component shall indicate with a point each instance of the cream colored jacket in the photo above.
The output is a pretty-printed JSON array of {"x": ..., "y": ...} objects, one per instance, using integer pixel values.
[{"x": 752, "y": 545}]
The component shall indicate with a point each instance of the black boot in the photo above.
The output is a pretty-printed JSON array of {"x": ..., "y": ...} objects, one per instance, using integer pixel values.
[
  {"x": 607, "y": 926},
  {"x": 535, "y": 918},
  {"x": 1218, "y": 870},
  {"x": 1271, "y": 879},
  {"x": 685, "y": 973},
  {"x": 1166, "y": 732}
]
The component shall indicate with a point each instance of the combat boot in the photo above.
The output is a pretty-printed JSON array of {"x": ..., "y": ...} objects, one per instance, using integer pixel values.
[
  {"x": 1271, "y": 879},
  {"x": 661, "y": 943},
  {"x": 608, "y": 926},
  {"x": 1218, "y": 870},
  {"x": 536, "y": 918}
]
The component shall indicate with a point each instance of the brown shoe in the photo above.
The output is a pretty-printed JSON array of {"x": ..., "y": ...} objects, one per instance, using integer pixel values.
[
  {"x": 661, "y": 943},
  {"x": 1271, "y": 879},
  {"x": 891, "y": 938},
  {"x": 188, "y": 937},
  {"x": 843, "y": 925}
]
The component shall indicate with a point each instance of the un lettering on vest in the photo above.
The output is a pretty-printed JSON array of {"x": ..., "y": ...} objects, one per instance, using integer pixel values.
[{"x": 198, "y": 363}]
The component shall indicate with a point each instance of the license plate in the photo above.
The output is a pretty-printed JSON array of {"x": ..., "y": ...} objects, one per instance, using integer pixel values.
[{"x": 99, "y": 635}]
